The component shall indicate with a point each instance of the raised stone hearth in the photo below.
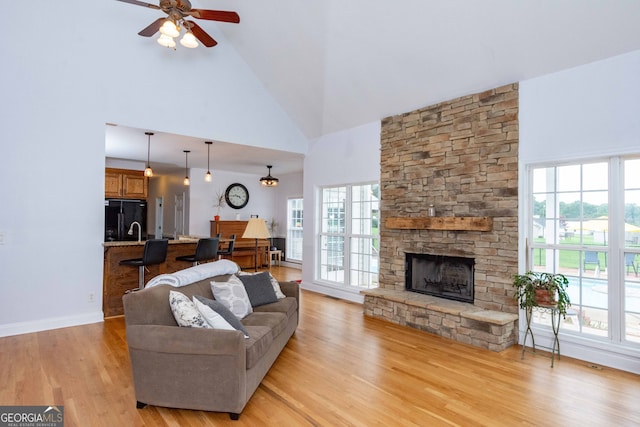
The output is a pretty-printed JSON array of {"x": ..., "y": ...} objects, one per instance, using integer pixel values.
[
  {"x": 462, "y": 157},
  {"x": 463, "y": 322}
]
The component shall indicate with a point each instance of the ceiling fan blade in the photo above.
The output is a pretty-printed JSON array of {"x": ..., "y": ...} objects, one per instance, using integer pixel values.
[
  {"x": 201, "y": 35},
  {"x": 141, "y": 3},
  {"x": 215, "y": 15},
  {"x": 152, "y": 28}
]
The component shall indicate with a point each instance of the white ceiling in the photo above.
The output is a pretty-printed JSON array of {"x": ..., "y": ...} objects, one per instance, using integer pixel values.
[
  {"x": 166, "y": 153},
  {"x": 334, "y": 65}
]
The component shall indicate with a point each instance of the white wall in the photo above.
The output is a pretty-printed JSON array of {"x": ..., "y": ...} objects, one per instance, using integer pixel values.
[
  {"x": 59, "y": 92},
  {"x": 262, "y": 201},
  {"x": 582, "y": 113},
  {"x": 347, "y": 157}
]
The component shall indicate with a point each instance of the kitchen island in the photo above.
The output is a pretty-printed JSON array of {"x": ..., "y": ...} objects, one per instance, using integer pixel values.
[{"x": 117, "y": 279}]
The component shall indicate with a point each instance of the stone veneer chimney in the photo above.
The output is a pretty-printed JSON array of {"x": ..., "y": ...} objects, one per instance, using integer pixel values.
[{"x": 461, "y": 156}]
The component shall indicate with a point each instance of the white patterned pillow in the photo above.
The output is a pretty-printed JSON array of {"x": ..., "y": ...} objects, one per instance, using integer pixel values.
[
  {"x": 185, "y": 312},
  {"x": 211, "y": 317},
  {"x": 233, "y": 295},
  {"x": 274, "y": 283}
]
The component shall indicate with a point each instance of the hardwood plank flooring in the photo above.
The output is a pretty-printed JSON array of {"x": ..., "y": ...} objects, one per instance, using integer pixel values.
[{"x": 339, "y": 369}]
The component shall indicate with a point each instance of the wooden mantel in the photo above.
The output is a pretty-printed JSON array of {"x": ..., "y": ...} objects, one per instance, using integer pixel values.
[{"x": 454, "y": 223}]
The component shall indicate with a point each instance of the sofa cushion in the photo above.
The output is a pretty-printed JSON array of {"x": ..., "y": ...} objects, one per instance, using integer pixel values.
[
  {"x": 276, "y": 322},
  {"x": 288, "y": 306},
  {"x": 274, "y": 283},
  {"x": 233, "y": 295},
  {"x": 185, "y": 312},
  {"x": 259, "y": 289},
  {"x": 258, "y": 343},
  {"x": 223, "y": 311}
]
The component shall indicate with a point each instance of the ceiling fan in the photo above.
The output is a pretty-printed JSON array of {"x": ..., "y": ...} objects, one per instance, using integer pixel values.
[{"x": 177, "y": 12}]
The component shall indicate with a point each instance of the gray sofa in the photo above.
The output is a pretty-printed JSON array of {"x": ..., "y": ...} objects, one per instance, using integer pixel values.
[{"x": 203, "y": 369}]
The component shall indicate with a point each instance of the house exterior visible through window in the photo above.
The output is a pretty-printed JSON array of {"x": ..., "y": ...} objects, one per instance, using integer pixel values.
[
  {"x": 294, "y": 230},
  {"x": 349, "y": 236},
  {"x": 584, "y": 222}
]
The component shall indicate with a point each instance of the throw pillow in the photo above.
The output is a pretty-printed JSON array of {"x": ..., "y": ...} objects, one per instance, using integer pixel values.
[
  {"x": 185, "y": 312},
  {"x": 274, "y": 283},
  {"x": 259, "y": 289},
  {"x": 211, "y": 317},
  {"x": 224, "y": 312},
  {"x": 233, "y": 295}
]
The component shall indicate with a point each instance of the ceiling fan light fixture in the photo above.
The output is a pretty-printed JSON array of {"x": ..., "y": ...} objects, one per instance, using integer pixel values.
[
  {"x": 189, "y": 40},
  {"x": 269, "y": 181},
  {"x": 166, "y": 41},
  {"x": 170, "y": 29}
]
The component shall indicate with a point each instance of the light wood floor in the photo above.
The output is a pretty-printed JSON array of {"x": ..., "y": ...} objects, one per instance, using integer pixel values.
[{"x": 339, "y": 369}]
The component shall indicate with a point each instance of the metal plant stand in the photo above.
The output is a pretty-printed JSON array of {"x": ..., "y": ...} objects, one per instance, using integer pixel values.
[{"x": 555, "y": 326}]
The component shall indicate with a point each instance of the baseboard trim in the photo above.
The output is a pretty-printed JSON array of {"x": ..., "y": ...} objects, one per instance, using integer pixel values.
[
  {"x": 334, "y": 292},
  {"x": 50, "y": 323}
]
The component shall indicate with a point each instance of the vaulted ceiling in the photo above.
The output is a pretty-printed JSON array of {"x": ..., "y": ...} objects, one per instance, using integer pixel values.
[
  {"x": 338, "y": 64},
  {"x": 334, "y": 65}
]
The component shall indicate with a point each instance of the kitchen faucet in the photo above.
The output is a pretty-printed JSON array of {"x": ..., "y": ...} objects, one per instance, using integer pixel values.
[{"x": 130, "y": 233}]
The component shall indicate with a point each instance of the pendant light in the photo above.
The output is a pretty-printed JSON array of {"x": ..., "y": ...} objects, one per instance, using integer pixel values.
[
  {"x": 148, "y": 172},
  {"x": 207, "y": 176},
  {"x": 186, "y": 168},
  {"x": 269, "y": 181}
]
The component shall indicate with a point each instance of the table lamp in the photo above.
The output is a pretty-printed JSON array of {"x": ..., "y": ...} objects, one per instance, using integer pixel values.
[{"x": 256, "y": 229}]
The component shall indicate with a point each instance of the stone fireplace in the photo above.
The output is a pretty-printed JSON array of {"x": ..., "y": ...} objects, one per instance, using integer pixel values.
[{"x": 462, "y": 157}]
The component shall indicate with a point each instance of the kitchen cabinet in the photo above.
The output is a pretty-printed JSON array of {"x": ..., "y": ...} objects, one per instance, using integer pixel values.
[{"x": 126, "y": 184}]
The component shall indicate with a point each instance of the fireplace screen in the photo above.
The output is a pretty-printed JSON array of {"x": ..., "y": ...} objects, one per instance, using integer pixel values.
[{"x": 442, "y": 276}]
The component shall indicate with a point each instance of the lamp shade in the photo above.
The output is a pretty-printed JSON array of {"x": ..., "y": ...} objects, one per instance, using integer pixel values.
[
  {"x": 169, "y": 29},
  {"x": 256, "y": 229},
  {"x": 189, "y": 40},
  {"x": 166, "y": 41}
]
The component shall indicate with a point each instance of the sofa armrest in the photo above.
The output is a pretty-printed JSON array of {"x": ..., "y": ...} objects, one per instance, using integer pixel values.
[
  {"x": 290, "y": 289},
  {"x": 180, "y": 340}
]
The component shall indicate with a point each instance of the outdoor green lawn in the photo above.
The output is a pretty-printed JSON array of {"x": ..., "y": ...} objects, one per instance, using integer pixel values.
[{"x": 568, "y": 258}]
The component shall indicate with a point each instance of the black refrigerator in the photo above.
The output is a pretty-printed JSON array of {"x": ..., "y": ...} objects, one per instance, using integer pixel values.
[{"x": 119, "y": 214}]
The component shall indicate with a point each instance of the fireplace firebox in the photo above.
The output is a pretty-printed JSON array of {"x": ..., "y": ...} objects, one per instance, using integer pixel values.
[{"x": 447, "y": 277}]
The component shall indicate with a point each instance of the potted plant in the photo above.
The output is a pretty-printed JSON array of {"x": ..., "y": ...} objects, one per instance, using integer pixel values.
[
  {"x": 219, "y": 202},
  {"x": 542, "y": 289}
]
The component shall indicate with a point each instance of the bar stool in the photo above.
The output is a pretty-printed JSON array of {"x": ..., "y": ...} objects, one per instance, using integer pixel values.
[
  {"x": 155, "y": 252},
  {"x": 229, "y": 250},
  {"x": 206, "y": 249}
]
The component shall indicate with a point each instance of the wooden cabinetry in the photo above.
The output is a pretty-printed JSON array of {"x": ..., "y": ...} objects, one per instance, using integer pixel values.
[
  {"x": 126, "y": 184},
  {"x": 244, "y": 252},
  {"x": 118, "y": 279}
]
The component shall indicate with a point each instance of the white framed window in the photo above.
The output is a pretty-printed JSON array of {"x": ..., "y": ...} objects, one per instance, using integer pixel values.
[
  {"x": 349, "y": 235},
  {"x": 584, "y": 222},
  {"x": 294, "y": 229}
]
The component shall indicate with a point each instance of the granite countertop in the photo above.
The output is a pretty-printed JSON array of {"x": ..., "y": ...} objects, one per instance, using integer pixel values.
[{"x": 136, "y": 243}]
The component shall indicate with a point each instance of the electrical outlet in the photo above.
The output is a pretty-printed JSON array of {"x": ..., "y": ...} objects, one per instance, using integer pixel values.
[{"x": 91, "y": 297}]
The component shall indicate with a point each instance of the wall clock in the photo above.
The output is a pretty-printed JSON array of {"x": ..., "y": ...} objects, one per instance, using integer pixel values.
[{"x": 237, "y": 196}]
